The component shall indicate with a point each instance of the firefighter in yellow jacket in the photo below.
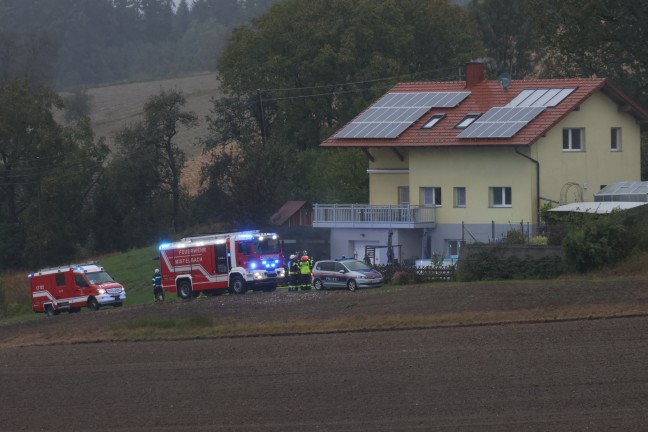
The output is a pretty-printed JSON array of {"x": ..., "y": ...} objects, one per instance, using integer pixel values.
[{"x": 305, "y": 267}]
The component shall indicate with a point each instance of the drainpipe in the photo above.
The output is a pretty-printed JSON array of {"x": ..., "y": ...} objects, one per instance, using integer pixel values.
[{"x": 537, "y": 164}]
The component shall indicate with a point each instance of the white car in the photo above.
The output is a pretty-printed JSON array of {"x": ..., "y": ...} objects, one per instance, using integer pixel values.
[{"x": 344, "y": 273}]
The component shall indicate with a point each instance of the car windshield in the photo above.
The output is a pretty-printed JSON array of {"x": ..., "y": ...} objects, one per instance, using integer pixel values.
[
  {"x": 356, "y": 266},
  {"x": 99, "y": 277}
]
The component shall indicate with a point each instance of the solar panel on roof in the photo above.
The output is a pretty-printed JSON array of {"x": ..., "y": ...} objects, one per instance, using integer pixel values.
[
  {"x": 547, "y": 97},
  {"x": 501, "y": 122},
  {"x": 395, "y": 112}
]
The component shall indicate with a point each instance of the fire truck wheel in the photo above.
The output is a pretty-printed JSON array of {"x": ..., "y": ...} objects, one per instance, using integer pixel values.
[
  {"x": 93, "y": 304},
  {"x": 184, "y": 290},
  {"x": 238, "y": 285},
  {"x": 49, "y": 310}
]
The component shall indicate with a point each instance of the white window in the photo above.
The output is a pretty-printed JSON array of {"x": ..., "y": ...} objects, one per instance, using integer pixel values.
[
  {"x": 615, "y": 139},
  {"x": 500, "y": 196},
  {"x": 431, "y": 196},
  {"x": 436, "y": 118},
  {"x": 467, "y": 121},
  {"x": 573, "y": 139},
  {"x": 460, "y": 197},
  {"x": 403, "y": 195}
]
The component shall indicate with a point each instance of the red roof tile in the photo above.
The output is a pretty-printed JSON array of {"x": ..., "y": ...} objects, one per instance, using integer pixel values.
[{"x": 484, "y": 96}]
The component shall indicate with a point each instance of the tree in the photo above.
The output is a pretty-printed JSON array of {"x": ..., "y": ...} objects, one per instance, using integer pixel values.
[
  {"x": 595, "y": 37},
  {"x": 508, "y": 35},
  {"x": 47, "y": 173},
  {"x": 150, "y": 145}
]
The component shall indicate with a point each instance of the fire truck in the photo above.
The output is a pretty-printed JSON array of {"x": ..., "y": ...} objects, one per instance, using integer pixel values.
[
  {"x": 217, "y": 263},
  {"x": 69, "y": 288}
]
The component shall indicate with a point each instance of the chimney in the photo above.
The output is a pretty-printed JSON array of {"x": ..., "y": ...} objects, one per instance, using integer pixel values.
[{"x": 474, "y": 74}]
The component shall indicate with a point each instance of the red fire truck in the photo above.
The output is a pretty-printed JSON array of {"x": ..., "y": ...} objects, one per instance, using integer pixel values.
[
  {"x": 214, "y": 263},
  {"x": 73, "y": 287}
]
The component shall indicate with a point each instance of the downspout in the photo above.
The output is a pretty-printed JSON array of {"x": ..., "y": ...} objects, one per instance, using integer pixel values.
[{"x": 537, "y": 164}]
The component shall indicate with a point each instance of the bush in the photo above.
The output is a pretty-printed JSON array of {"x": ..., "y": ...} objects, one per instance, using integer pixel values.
[
  {"x": 515, "y": 237},
  {"x": 594, "y": 241},
  {"x": 539, "y": 241},
  {"x": 486, "y": 266}
]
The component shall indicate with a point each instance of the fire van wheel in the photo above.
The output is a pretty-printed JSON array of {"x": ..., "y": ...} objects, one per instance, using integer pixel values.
[
  {"x": 93, "y": 304},
  {"x": 318, "y": 285},
  {"x": 184, "y": 290},
  {"x": 238, "y": 285},
  {"x": 49, "y": 310},
  {"x": 352, "y": 285}
]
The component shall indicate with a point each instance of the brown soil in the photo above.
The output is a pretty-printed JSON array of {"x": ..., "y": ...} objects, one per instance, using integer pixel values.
[
  {"x": 553, "y": 360},
  {"x": 400, "y": 307}
]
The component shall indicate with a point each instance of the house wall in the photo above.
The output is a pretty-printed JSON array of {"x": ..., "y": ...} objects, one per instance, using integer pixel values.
[
  {"x": 597, "y": 165},
  {"x": 476, "y": 169},
  {"x": 383, "y": 188}
]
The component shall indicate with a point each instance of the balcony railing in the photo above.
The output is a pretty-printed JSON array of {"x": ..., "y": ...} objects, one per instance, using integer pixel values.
[{"x": 372, "y": 216}]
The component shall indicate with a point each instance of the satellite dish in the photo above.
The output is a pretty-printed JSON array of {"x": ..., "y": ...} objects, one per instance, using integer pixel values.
[{"x": 504, "y": 80}]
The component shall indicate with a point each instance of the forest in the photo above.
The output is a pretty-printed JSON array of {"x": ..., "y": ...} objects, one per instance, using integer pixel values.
[{"x": 291, "y": 71}]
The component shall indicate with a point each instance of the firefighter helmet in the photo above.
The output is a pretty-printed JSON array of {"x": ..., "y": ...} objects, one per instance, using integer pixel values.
[
  {"x": 157, "y": 271},
  {"x": 293, "y": 256}
]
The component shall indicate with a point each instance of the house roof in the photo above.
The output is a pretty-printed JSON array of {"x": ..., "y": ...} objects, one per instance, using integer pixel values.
[
  {"x": 622, "y": 190},
  {"x": 286, "y": 211},
  {"x": 597, "y": 207},
  {"x": 486, "y": 95}
]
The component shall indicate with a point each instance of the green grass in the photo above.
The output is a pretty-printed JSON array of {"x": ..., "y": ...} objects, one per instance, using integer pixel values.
[{"x": 134, "y": 270}]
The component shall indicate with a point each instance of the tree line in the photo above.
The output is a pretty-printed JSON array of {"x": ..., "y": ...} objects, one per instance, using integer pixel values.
[{"x": 291, "y": 77}]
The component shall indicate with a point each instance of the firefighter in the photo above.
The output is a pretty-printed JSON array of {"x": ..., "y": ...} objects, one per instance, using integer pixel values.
[
  {"x": 293, "y": 271},
  {"x": 305, "y": 272},
  {"x": 158, "y": 292},
  {"x": 310, "y": 260}
]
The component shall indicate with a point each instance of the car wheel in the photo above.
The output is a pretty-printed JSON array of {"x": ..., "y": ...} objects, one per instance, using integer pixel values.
[
  {"x": 93, "y": 304},
  {"x": 352, "y": 285},
  {"x": 317, "y": 283},
  {"x": 184, "y": 290},
  {"x": 238, "y": 285}
]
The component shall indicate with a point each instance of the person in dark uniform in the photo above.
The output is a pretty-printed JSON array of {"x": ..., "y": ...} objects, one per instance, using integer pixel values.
[{"x": 158, "y": 292}]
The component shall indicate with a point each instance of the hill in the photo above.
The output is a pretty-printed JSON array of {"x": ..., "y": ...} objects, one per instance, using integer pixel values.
[{"x": 114, "y": 107}]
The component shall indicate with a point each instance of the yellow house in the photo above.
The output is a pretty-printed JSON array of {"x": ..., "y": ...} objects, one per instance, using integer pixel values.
[{"x": 471, "y": 160}]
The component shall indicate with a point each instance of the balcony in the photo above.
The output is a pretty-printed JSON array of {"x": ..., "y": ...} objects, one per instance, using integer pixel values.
[{"x": 372, "y": 216}]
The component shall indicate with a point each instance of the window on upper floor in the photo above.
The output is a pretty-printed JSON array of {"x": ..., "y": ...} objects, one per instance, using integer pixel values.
[
  {"x": 436, "y": 118},
  {"x": 500, "y": 196},
  {"x": 460, "y": 197},
  {"x": 615, "y": 139},
  {"x": 466, "y": 121},
  {"x": 431, "y": 196},
  {"x": 573, "y": 139},
  {"x": 403, "y": 195}
]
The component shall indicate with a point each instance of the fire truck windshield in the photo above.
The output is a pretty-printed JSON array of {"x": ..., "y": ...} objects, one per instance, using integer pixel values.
[
  {"x": 99, "y": 277},
  {"x": 267, "y": 246}
]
